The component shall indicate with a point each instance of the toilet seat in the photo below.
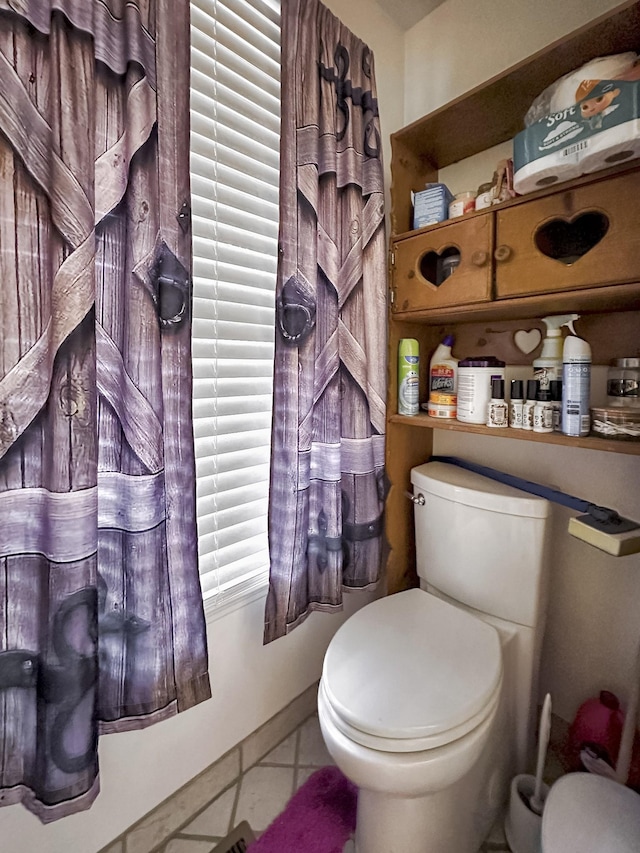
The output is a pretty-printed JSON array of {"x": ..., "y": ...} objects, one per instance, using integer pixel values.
[
  {"x": 590, "y": 814},
  {"x": 410, "y": 672}
]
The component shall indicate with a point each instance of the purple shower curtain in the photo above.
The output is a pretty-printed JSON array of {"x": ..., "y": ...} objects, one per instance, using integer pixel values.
[
  {"x": 327, "y": 475},
  {"x": 101, "y": 617}
]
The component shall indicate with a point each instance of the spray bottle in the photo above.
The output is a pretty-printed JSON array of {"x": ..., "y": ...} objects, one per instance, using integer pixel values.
[
  {"x": 408, "y": 376},
  {"x": 548, "y": 365},
  {"x": 576, "y": 385}
]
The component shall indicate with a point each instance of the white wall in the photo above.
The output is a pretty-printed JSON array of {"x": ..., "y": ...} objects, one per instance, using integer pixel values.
[
  {"x": 465, "y": 42},
  {"x": 250, "y": 682},
  {"x": 593, "y": 625}
]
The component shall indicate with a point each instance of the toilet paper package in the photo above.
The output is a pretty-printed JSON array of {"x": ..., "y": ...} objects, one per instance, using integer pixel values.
[{"x": 602, "y": 129}]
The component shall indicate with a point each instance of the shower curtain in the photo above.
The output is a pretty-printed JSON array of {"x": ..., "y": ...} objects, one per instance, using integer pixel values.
[
  {"x": 101, "y": 617},
  {"x": 327, "y": 475}
]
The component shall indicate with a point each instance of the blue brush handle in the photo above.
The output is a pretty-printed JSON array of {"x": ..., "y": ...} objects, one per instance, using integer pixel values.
[{"x": 599, "y": 513}]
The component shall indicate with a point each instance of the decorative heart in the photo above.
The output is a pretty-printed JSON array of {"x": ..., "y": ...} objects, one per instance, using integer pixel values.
[
  {"x": 527, "y": 341},
  {"x": 436, "y": 267},
  {"x": 569, "y": 240}
]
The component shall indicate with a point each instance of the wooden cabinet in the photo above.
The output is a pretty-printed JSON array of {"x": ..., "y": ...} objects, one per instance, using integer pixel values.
[
  {"x": 417, "y": 264},
  {"x": 572, "y": 239},
  {"x": 581, "y": 236},
  {"x": 573, "y": 248}
]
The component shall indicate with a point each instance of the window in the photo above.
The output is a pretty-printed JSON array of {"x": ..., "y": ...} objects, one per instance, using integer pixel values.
[{"x": 235, "y": 133}]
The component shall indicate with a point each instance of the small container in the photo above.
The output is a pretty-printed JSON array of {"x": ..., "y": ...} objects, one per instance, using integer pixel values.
[
  {"x": 598, "y": 723},
  {"x": 528, "y": 407},
  {"x": 461, "y": 204},
  {"x": 474, "y": 386},
  {"x": 497, "y": 410},
  {"x": 556, "y": 404},
  {"x": 446, "y": 266},
  {"x": 623, "y": 383},
  {"x": 515, "y": 404},
  {"x": 619, "y": 423},
  {"x": 484, "y": 197},
  {"x": 543, "y": 412}
]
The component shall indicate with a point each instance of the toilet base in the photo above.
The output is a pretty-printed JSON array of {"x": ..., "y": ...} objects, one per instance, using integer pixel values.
[{"x": 440, "y": 822}]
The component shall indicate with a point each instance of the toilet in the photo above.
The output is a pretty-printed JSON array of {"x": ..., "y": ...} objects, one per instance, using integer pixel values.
[
  {"x": 584, "y": 813},
  {"x": 427, "y": 697}
]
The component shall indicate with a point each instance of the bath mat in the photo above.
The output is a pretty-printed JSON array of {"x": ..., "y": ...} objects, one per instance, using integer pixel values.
[{"x": 319, "y": 818}]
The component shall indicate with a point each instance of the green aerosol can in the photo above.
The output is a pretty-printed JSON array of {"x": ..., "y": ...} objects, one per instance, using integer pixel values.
[{"x": 408, "y": 377}]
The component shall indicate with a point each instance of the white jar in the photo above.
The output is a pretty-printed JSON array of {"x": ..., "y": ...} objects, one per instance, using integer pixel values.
[
  {"x": 461, "y": 204},
  {"x": 474, "y": 387}
]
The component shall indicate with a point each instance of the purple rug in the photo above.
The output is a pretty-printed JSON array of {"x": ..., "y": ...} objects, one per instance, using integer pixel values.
[{"x": 319, "y": 818}]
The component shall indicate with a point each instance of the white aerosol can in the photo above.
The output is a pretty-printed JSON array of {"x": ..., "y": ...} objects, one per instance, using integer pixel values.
[{"x": 576, "y": 386}]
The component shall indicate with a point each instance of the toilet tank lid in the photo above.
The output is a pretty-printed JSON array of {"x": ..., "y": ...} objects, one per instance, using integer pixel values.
[
  {"x": 471, "y": 489},
  {"x": 591, "y": 814}
]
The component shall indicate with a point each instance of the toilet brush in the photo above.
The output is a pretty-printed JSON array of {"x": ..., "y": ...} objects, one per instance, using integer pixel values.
[{"x": 536, "y": 802}]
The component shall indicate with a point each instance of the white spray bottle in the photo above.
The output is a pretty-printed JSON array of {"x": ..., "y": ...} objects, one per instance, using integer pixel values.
[{"x": 548, "y": 365}]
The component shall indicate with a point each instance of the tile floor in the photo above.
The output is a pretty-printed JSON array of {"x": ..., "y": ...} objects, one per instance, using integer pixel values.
[{"x": 263, "y": 791}]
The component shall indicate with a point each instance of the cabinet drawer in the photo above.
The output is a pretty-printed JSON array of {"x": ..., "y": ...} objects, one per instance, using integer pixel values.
[
  {"x": 570, "y": 240},
  {"x": 418, "y": 262}
]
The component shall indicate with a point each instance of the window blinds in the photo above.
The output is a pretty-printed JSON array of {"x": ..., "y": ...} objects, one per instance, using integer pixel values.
[{"x": 235, "y": 133}]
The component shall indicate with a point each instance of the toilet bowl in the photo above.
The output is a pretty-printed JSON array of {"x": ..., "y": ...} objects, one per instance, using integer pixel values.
[
  {"x": 425, "y": 701},
  {"x": 416, "y": 723},
  {"x": 585, "y": 813}
]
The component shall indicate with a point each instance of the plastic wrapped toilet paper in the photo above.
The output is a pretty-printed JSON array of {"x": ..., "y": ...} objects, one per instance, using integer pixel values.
[{"x": 601, "y": 130}]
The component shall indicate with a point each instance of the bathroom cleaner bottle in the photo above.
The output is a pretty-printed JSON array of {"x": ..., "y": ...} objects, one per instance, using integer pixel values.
[
  {"x": 548, "y": 365},
  {"x": 408, "y": 377},
  {"x": 443, "y": 381},
  {"x": 576, "y": 386}
]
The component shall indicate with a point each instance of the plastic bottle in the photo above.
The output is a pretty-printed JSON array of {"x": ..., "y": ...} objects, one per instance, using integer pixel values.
[
  {"x": 443, "y": 381},
  {"x": 548, "y": 365},
  {"x": 515, "y": 404},
  {"x": 543, "y": 412},
  {"x": 528, "y": 407},
  {"x": 408, "y": 377},
  {"x": 598, "y": 723},
  {"x": 497, "y": 411},
  {"x": 556, "y": 404},
  {"x": 576, "y": 386}
]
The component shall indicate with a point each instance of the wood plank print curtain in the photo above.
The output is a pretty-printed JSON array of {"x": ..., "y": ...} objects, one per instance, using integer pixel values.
[
  {"x": 326, "y": 491},
  {"x": 101, "y": 620}
]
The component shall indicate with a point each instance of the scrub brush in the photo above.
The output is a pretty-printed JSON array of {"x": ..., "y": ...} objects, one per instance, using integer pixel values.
[{"x": 536, "y": 803}]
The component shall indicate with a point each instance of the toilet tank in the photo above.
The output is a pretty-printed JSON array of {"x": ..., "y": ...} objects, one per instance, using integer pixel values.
[{"x": 480, "y": 542}]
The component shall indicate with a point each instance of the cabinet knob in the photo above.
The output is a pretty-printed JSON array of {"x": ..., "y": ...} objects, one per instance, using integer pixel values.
[
  {"x": 479, "y": 258},
  {"x": 503, "y": 253}
]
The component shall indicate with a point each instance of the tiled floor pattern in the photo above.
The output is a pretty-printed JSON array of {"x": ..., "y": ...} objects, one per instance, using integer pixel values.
[{"x": 263, "y": 791}]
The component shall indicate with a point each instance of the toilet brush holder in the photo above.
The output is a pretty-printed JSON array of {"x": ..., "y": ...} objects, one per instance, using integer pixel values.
[{"x": 523, "y": 827}]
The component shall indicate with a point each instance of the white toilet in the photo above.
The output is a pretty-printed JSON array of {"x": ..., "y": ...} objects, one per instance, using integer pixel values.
[
  {"x": 427, "y": 697},
  {"x": 590, "y": 814}
]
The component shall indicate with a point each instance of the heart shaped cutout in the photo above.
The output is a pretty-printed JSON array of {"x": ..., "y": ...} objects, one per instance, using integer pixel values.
[
  {"x": 527, "y": 341},
  {"x": 568, "y": 240},
  {"x": 436, "y": 267}
]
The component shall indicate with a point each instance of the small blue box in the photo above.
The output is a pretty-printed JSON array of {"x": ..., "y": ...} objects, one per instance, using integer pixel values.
[{"x": 431, "y": 205}]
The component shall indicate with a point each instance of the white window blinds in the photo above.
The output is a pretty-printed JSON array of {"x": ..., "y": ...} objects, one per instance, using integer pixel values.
[{"x": 235, "y": 132}]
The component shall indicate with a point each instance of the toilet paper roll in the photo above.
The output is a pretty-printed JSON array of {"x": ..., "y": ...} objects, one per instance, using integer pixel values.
[
  {"x": 548, "y": 170},
  {"x": 611, "y": 146}
]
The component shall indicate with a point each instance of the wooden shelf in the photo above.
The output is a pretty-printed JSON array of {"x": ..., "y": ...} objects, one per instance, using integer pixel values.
[
  {"x": 495, "y": 110},
  {"x": 631, "y": 448}
]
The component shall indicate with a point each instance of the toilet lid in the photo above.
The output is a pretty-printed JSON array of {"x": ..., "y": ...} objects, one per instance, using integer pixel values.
[
  {"x": 590, "y": 814},
  {"x": 412, "y": 667}
]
